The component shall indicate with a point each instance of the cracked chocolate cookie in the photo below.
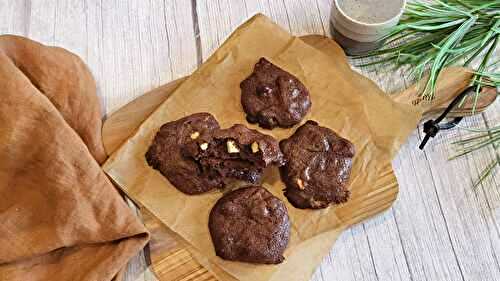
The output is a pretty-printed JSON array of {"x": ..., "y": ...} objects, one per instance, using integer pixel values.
[
  {"x": 318, "y": 167},
  {"x": 165, "y": 153},
  {"x": 236, "y": 153},
  {"x": 250, "y": 225},
  {"x": 273, "y": 97}
]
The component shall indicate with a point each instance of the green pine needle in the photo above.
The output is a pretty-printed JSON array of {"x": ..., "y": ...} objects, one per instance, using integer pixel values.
[
  {"x": 484, "y": 138},
  {"x": 435, "y": 34}
]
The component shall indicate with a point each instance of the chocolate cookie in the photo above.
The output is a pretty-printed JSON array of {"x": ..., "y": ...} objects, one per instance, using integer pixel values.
[
  {"x": 236, "y": 153},
  {"x": 165, "y": 153},
  {"x": 250, "y": 225},
  {"x": 273, "y": 97},
  {"x": 318, "y": 167}
]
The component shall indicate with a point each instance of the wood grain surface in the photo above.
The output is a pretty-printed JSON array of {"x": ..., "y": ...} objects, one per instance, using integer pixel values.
[{"x": 440, "y": 228}]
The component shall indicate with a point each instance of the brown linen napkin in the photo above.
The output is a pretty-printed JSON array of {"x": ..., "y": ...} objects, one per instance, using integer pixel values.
[{"x": 60, "y": 216}]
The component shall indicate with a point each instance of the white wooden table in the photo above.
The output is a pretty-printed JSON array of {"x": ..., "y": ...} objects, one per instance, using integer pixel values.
[{"x": 440, "y": 228}]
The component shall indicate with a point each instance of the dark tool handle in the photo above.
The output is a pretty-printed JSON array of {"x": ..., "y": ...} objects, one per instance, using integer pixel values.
[{"x": 432, "y": 127}]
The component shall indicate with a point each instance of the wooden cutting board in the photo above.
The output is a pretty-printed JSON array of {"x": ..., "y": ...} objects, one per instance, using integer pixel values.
[{"x": 168, "y": 253}]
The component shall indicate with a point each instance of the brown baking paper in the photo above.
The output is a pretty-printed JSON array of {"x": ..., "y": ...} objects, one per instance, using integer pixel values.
[{"x": 342, "y": 100}]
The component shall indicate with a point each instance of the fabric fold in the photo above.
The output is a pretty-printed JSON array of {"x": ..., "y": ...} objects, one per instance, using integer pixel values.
[{"x": 60, "y": 216}]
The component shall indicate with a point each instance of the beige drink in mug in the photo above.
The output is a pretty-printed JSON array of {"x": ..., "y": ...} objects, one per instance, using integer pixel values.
[{"x": 357, "y": 25}]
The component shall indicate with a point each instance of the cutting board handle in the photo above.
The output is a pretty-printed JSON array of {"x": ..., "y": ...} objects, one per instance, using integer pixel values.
[{"x": 451, "y": 82}]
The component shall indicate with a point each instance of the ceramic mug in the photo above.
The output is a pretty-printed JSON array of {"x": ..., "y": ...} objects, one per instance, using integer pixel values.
[{"x": 359, "y": 36}]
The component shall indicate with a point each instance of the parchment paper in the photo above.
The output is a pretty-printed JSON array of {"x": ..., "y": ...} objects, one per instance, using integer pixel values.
[{"x": 348, "y": 103}]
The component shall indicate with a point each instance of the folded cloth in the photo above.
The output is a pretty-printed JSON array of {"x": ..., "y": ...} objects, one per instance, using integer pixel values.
[{"x": 60, "y": 216}]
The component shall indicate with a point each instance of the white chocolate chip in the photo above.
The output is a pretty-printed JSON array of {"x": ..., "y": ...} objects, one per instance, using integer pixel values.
[
  {"x": 195, "y": 135},
  {"x": 255, "y": 147},
  {"x": 204, "y": 146},
  {"x": 300, "y": 184},
  {"x": 231, "y": 147}
]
